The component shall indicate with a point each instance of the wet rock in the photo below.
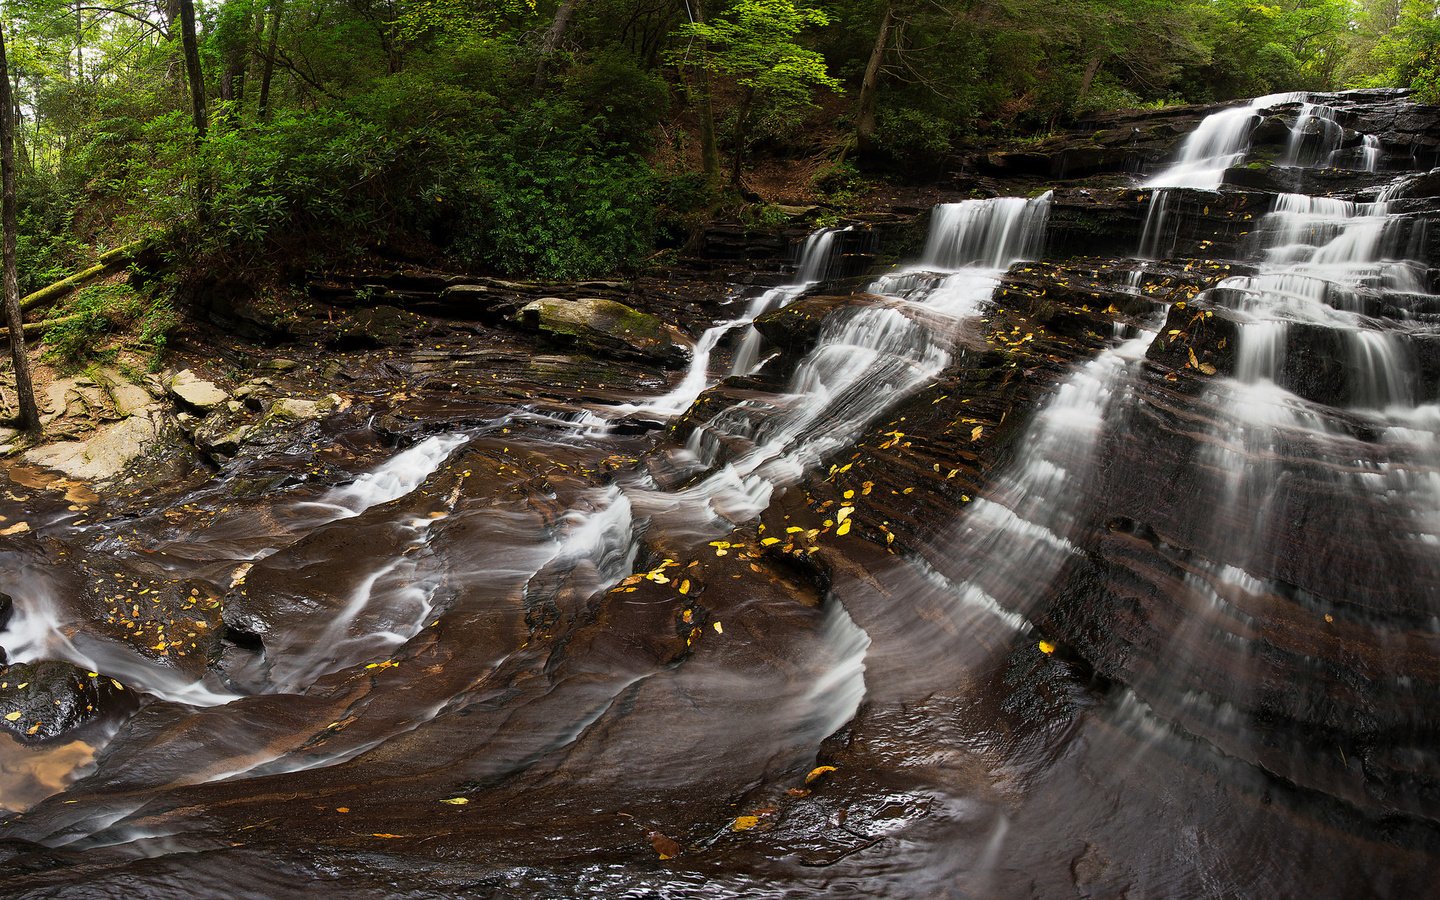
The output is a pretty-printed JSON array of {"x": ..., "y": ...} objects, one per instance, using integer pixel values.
[
  {"x": 104, "y": 456},
  {"x": 483, "y": 302},
  {"x": 608, "y": 328},
  {"x": 42, "y": 701},
  {"x": 220, "y": 436},
  {"x": 195, "y": 392},
  {"x": 795, "y": 328},
  {"x": 1426, "y": 185}
]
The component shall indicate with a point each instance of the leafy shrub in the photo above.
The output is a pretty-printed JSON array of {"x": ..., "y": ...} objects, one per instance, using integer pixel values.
[{"x": 94, "y": 315}]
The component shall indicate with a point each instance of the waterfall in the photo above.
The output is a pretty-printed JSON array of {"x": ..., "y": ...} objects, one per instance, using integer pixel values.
[
  {"x": 987, "y": 233},
  {"x": 1219, "y": 142},
  {"x": 865, "y": 359},
  {"x": 1315, "y": 138},
  {"x": 817, "y": 256}
]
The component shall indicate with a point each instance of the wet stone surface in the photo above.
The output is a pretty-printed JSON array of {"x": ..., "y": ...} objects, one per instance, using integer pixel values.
[{"x": 1021, "y": 575}]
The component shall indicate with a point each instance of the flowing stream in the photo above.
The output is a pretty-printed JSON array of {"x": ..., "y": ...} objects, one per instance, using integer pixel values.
[{"x": 1097, "y": 672}]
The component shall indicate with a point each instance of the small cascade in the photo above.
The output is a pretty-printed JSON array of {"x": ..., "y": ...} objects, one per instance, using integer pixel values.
[
  {"x": 1157, "y": 239},
  {"x": 817, "y": 257},
  {"x": 1364, "y": 158},
  {"x": 1220, "y": 141},
  {"x": 865, "y": 360},
  {"x": 990, "y": 234},
  {"x": 1316, "y": 137}
]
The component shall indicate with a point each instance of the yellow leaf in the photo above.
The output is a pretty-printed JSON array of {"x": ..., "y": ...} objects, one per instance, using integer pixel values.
[
  {"x": 1047, "y": 648},
  {"x": 744, "y": 823},
  {"x": 844, "y": 528},
  {"x": 817, "y": 773},
  {"x": 766, "y": 542},
  {"x": 456, "y": 801},
  {"x": 14, "y": 716},
  {"x": 976, "y": 432},
  {"x": 1194, "y": 363},
  {"x": 844, "y": 513},
  {"x": 719, "y": 629},
  {"x": 1207, "y": 369},
  {"x": 685, "y": 586}
]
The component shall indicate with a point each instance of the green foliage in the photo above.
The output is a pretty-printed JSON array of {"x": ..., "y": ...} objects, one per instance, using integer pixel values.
[
  {"x": 839, "y": 185},
  {"x": 913, "y": 138},
  {"x": 550, "y": 201},
  {"x": 754, "y": 41},
  {"x": 94, "y": 315}
]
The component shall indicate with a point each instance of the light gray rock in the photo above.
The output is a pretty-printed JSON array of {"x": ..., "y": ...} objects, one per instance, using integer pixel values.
[
  {"x": 127, "y": 397},
  {"x": 103, "y": 456},
  {"x": 195, "y": 392}
]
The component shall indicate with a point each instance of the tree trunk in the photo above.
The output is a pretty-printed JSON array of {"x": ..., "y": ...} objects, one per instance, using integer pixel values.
[
  {"x": 24, "y": 384},
  {"x": 553, "y": 36},
  {"x": 79, "y": 43},
  {"x": 742, "y": 136},
  {"x": 870, "y": 85},
  {"x": 709, "y": 149},
  {"x": 192, "y": 66},
  {"x": 1092, "y": 68},
  {"x": 271, "y": 47}
]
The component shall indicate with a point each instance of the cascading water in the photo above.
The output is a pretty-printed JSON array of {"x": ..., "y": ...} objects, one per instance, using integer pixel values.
[
  {"x": 1220, "y": 141},
  {"x": 1140, "y": 638},
  {"x": 1326, "y": 335},
  {"x": 814, "y": 263}
]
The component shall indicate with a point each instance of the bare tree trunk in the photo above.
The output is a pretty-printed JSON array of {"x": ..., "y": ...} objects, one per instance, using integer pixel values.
[
  {"x": 742, "y": 136},
  {"x": 271, "y": 47},
  {"x": 709, "y": 149},
  {"x": 79, "y": 43},
  {"x": 192, "y": 66},
  {"x": 1092, "y": 68},
  {"x": 553, "y": 36},
  {"x": 24, "y": 384},
  {"x": 870, "y": 84}
]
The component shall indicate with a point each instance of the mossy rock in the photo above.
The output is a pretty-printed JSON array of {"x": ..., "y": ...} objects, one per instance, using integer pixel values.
[{"x": 607, "y": 328}]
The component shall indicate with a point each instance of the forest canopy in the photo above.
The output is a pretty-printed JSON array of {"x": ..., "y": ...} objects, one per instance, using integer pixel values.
[{"x": 575, "y": 138}]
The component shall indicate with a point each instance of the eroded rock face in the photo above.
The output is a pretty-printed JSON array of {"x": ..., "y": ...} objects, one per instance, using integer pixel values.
[{"x": 608, "y": 328}]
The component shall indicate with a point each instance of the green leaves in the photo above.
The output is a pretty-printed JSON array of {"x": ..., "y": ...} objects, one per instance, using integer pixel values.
[{"x": 754, "y": 41}]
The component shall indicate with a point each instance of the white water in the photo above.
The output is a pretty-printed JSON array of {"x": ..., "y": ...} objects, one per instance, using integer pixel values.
[
  {"x": 1219, "y": 142},
  {"x": 392, "y": 480},
  {"x": 1315, "y": 137}
]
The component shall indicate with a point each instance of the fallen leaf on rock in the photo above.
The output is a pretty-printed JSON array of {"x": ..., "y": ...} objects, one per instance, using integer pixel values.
[
  {"x": 744, "y": 823},
  {"x": 817, "y": 773},
  {"x": 456, "y": 801},
  {"x": 664, "y": 846},
  {"x": 11, "y": 717},
  {"x": 1047, "y": 648}
]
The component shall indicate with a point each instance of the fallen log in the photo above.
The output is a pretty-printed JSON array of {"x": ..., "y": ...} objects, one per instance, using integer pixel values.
[
  {"x": 32, "y": 327},
  {"x": 108, "y": 261}
]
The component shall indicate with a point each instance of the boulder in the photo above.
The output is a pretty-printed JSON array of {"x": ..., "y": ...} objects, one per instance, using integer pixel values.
[
  {"x": 103, "y": 456},
  {"x": 195, "y": 392},
  {"x": 126, "y": 397},
  {"x": 41, "y": 701},
  {"x": 607, "y": 328}
]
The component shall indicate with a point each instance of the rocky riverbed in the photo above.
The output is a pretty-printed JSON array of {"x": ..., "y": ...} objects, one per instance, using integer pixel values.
[{"x": 1079, "y": 542}]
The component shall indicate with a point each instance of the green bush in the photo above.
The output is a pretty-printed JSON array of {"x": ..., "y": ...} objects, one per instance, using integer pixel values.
[{"x": 96, "y": 314}]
